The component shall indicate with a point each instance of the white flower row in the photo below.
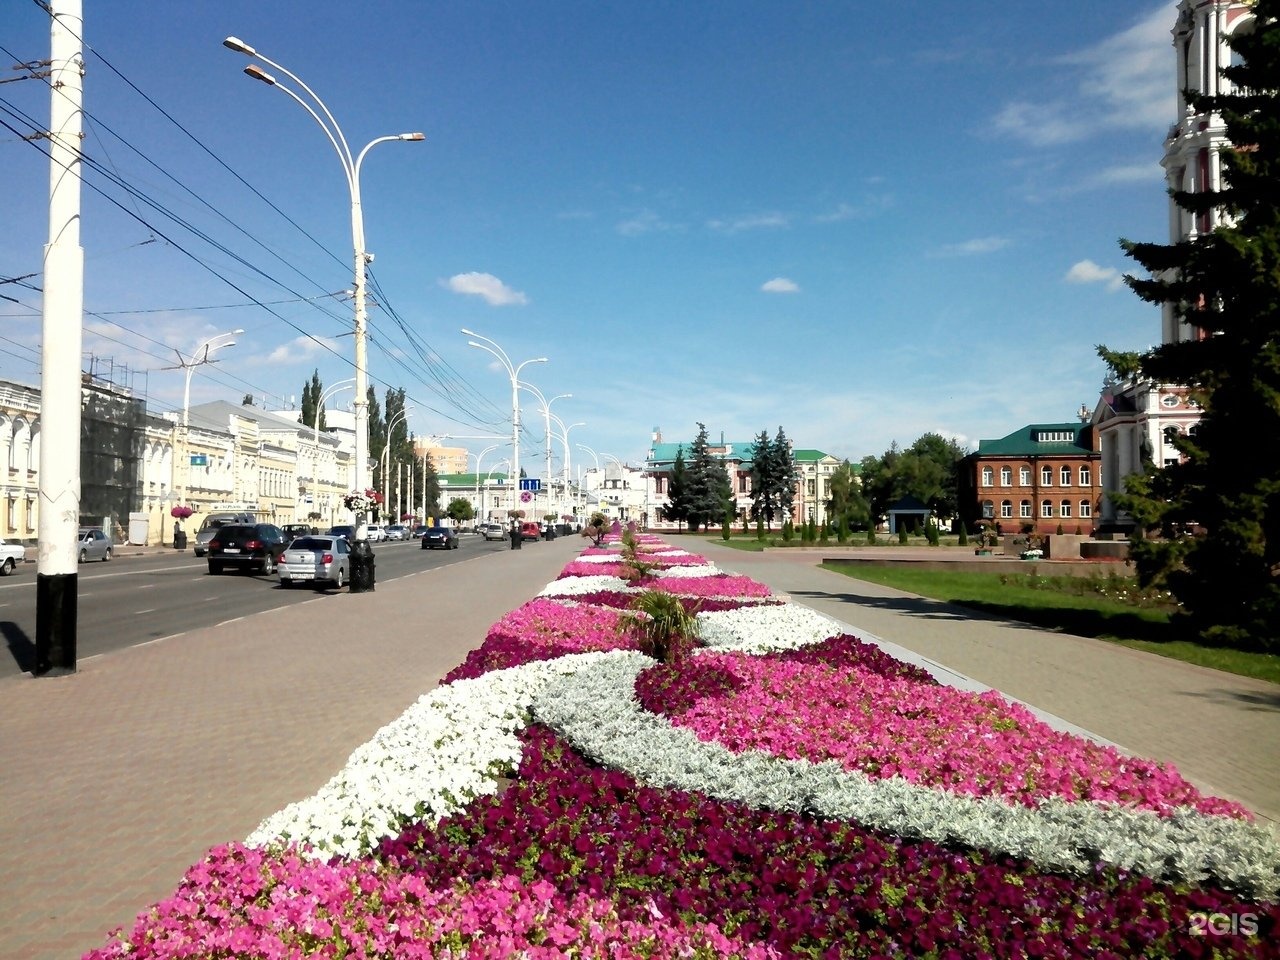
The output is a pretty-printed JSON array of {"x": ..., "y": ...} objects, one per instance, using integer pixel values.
[
  {"x": 597, "y": 712},
  {"x": 765, "y": 627},
  {"x": 429, "y": 762},
  {"x": 573, "y": 586},
  {"x": 675, "y": 573}
]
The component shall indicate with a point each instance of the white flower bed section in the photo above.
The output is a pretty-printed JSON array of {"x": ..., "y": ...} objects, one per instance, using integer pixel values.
[
  {"x": 574, "y": 586},
  {"x": 437, "y": 756},
  {"x": 597, "y": 712},
  {"x": 764, "y": 628},
  {"x": 702, "y": 570}
]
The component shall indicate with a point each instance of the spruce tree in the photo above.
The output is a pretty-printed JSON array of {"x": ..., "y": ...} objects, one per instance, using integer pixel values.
[
  {"x": 707, "y": 483},
  {"x": 1219, "y": 508},
  {"x": 763, "y": 483},
  {"x": 678, "y": 490},
  {"x": 785, "y": 475}
]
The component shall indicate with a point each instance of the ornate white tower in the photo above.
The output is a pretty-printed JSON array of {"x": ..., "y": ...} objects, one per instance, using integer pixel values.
[{"x": 1136, "y": 419}]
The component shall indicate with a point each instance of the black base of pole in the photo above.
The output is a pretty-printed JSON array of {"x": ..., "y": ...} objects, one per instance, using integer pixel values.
[
  {"x": 56, "y": 624},
  {"x": 363, "y": 568}
]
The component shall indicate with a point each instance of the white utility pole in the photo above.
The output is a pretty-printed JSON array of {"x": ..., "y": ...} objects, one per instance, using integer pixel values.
[{"x": 62, "y": 330}]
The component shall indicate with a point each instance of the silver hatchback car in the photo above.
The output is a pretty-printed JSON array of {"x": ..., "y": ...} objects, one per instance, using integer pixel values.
[{"x": 317, "y": 561}]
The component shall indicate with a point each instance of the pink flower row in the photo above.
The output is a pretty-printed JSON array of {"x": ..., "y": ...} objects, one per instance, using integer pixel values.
[
  {"x": 241, "y": 902},
  {"x": 882, "y": 724}
]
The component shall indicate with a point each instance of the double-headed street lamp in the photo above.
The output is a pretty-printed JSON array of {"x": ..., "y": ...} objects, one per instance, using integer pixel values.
[
  {"x": 513, "y": 371},
  {"x": 199, "y": 357},
  {"x": 386, "y": 457},
  {"x": 564, "y": 439},
  {"x": 546, "y": 415},
  {"x": 336, "y": 388},
  {"x": 351, "y": 167}
]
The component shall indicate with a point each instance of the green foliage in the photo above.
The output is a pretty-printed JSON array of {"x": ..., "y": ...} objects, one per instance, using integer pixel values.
[
  {"x": 1217, "y": 512},
  {"x": 312, "y": 391},
  {"x": 726, "y": 525},
  {"x": 963, "y": 539},
  {"x": 678, "y": 490},
  {"x": 707, "y": 484},
  {"x": 773, "y": 477},
  {"x": 871, "y": 535},
  {"x": 788, "y": 531},
  {"x": 668, "y": 631},
  {"x": 824, "y": 539},
  {"x": 927, "y": 470},
  {"x": 846, "y": 505},
  {"x": 460, "y": 509},
  {"x": 902, "y": 536},
  {"x": 759, "y": 528},
  {"x": 931, "y": 533},
  {"x": 1060, "y": 530}
]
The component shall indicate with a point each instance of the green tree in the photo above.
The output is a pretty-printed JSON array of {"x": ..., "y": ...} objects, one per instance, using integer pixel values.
[
  {"x": 312, "y": 391},
  {"x": 1226, "y": 285},
  {"x": 763, "y": 487},
  {"x": 460, "y": 509},
  {"x": 678, "y": 490},
  {"x": 707, "y": 482},
  {"x": 847, "y": 506}
]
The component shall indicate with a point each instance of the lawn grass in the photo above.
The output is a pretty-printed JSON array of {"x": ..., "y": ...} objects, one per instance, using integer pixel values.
[{"x": 1105, "y": 608}]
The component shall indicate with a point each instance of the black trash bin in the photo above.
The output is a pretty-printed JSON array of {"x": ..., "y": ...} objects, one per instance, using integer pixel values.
[
  {"x": 179, "y": 540},
  {"x": 362, "y": 567}
]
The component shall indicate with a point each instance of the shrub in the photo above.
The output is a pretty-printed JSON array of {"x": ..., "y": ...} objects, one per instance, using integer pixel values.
[
  {"x": 964, "y": 535},
  {"x": 669, "y": 631},
  {"x": 902, "y": 536},
  {"x": 871, "y": 534}
]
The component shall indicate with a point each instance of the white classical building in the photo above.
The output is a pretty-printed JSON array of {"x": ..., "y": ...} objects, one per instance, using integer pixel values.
[{"x": 1136, "y": 419}]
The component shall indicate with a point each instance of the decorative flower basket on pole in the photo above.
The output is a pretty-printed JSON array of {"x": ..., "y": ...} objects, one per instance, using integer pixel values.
[
  {"x": 362, "y": 564},
  {"x": 180, "y": 513}
]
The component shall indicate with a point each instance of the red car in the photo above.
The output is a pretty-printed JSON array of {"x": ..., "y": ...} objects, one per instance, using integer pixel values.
[{"x": 530, "y": 531}]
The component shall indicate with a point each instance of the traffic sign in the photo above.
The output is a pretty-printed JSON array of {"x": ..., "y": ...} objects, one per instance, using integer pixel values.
[{"x": 530, "y": 483}]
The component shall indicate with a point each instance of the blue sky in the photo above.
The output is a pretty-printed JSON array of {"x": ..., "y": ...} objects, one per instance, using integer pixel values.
[{"x": 859, "y": 222}]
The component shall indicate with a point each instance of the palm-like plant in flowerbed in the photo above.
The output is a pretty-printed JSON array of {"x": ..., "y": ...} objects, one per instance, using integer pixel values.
[{"x": 668, "y": 629}]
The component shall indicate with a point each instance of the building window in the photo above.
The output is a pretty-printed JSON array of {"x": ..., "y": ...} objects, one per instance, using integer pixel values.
[
  {"x": 1006, "y": 509},
  {"x": 987, "y": 476},
  {"x": 1006, "y": 476},
  {"x": 1046, "y": 508},
  {"x": 1046, "y": 476},
  {"x": 1064, "y": 508},
  {"x": 812, "y": 487},
  {"x": 742, "y": 483},
  {"x": 1065, "y": 475},
  {"x": 988, "y": 509},
  {"x": 1024, "y": 509},
  {"x": 658, "y": 484},
  {"x": 1086, "y": 509},
  {"x": 1086, "y": 476},
  {"x": 1024, "y": 476}
]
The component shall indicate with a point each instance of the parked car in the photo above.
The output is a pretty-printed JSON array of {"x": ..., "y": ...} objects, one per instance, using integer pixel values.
[
  {"x": 93, "y": 545},
  {"x": 316, "y": 560},
  {"x": 212, "y": 524},
  {"x": 247, "y": 546},
  {"x": 344, "y": 530},
  {"x": 11, "y": 554},
  {"x": 530, "y": 530},
  {"x": 439, "y": 537},
  {"x": 419, "y": 530},
  {"x": 397, "y": 532},
  {"x": 292, "y": 531},
  {"x": 374, "y": 533},
  {"x": 493, "y": 531}
]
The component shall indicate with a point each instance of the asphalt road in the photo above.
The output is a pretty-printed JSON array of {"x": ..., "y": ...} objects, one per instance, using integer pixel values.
[{"x": 134, "y": 600}]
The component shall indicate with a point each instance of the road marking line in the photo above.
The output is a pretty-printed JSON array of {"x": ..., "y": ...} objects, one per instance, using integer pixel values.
[{"x": 137, "y": 613}]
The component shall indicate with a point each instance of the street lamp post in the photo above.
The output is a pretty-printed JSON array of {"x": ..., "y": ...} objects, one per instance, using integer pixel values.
[
  {"x": 546, "y": 415},
  {"x": 199, "y": 357},
  {"x": 513, "y": 371},
  {"x": 386, "y": 456},
  {"x": 564, "y": 439},
  {"x": 479, "y": 458},
  {"x": 351, "y": 167}
]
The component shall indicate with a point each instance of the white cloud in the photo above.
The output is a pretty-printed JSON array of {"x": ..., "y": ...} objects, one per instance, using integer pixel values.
[
  {"x": 486, "y": 285},
  {"x": 297, "y": 350},
  {"x": 758, "y": 221},
  {"x": 1121, "y": 82},
  {"x": 780, "y": 285},
  {"x": 973, "y": 248},
  {"x": 1086, "y": 271},
  {"x": 646, "y": 221}
]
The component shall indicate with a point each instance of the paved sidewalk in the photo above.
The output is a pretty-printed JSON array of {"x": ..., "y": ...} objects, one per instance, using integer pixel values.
[
  {"x": 116, "y": 779},
  {"x": 1221, "y": 731}
]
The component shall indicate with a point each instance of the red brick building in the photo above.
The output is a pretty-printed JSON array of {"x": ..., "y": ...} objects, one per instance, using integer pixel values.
[{"x": 1038, "y": 478}]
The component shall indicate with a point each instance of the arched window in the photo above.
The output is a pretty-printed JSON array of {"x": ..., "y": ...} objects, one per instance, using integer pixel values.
[
  {"x": 987, "y": 476},
  {"x": 1006, "y": 476},
  {"x": 1046, "y": 476},
  {"x": 1086, "y": 476},
  {"x": 1046, "y": 508},
  {"x": 1064, "y": 508},
  {"x": 1006, "y": 509},
  {"x": 1064, "y": 476},
  {"x": 1024, "y": 476},
  {"x": 1024, "y": 509},
  {"x": 1086, "y": 508}
]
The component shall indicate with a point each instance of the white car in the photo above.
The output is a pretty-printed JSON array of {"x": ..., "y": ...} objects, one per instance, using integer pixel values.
[
  {"x": 397, "y": 532},
  {"x": 374, "y": 533}
]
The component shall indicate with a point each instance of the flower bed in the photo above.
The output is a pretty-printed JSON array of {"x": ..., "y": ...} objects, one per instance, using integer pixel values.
[{"x": 787, "y": 791}]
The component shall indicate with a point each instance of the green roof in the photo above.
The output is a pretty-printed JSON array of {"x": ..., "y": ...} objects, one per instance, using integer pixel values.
[
  {"x": 469, "y": 479},
  {"x": 666, "y": 452},
  {"x": 1040, "y": 439}
]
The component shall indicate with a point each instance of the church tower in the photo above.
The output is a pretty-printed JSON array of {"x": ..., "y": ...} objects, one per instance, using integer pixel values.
[{"x": 1136, "y": 419}]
